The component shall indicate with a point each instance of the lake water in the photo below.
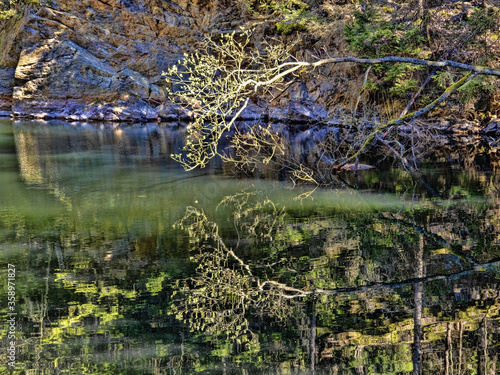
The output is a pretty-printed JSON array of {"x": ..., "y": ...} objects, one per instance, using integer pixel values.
[{"x": 126, "y": 264}]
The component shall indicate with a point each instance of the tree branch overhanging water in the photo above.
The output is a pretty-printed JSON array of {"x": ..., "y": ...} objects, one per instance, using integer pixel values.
[{"x": 217, "y": 83}]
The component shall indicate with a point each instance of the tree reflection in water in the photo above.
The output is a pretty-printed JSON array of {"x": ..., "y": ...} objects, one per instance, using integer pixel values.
[
  {"x": 231, "y": 289},
  {"x": 344, "y": 282}
]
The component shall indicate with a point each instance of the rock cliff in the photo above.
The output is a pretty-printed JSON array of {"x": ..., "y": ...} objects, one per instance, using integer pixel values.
[
  {"x": 99, "y": 59},
  {"x": 103, "y": 59}
]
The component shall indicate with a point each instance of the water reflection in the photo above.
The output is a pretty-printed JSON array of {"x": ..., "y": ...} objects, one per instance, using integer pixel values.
[{"x": 127, "y": 264}]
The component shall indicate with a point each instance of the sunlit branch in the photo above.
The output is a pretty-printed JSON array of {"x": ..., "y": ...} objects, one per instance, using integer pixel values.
[
  {"x": 466, "y": 78},
  {"x": 217, "y": 83}
]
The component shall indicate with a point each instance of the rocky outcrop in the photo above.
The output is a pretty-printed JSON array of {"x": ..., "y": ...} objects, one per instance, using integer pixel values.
[
  {"x": 6, "y": 90},
  {"x": 95, "y": 59},
  {"x": 59, "y": 78},
  {"x": 103, "y": 60}
]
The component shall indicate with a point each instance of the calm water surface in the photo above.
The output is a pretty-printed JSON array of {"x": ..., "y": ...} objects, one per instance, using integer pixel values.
[{"x": 126, "y": 264}]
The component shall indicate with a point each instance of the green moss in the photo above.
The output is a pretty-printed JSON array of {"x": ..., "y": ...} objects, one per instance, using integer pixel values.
[
  {"x": 483, "y": 19},
  {"x": 13, "y": 8},
  {"x": 371, "y": 35},
  {"x": 286, "y": 28}
]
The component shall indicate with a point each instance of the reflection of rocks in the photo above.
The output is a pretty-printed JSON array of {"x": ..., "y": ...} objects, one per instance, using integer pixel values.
[{"x": 130, "y": 140}]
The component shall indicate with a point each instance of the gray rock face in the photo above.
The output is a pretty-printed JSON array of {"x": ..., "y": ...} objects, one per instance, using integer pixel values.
[
  {"x": 6, "y": 90},
  {"x": 62, "y": 79},
  {"x": 62, "y": 70},
  {"x": 93, "y": 59},
  {"x": 7, "y": 81},
  {"x": 103, "y": 60}
]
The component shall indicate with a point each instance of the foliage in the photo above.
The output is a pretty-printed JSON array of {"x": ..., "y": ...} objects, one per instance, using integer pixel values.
[
  {"x": 475, "y": 88},
  {"x": 289, "y": 16},
  {"x": 275, "y": 7},
  {"x": 446, "y": 31},
  {"x": 399, "y": 76},
  {"x": 11, "y": 8},
  {"x": 483, "y": 19},
  {"x": 372, "y": 35},
  {"x": 293, "y": 18},
  {"x": 216, "y": 83}
]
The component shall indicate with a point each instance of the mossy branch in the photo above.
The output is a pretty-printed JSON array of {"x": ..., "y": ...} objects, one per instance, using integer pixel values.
[
  {"x": 396, "y": 59},
  {"x": 217, "y": 82},
  {"x": 410, "y": 116}
]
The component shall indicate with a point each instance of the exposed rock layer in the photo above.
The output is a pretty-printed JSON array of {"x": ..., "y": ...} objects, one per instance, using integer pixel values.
[
  {"x": 102, "y": 60},
  {"x": 95, "y": 59}
]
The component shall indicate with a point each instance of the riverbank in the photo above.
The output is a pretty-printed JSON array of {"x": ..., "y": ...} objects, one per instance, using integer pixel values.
[{"x": 103, "y": 60}]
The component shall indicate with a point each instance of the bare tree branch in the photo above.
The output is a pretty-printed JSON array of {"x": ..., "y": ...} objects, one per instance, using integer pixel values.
[
  {"x": 450, "y": 90},
  {"x": 217, "y": 83}
]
